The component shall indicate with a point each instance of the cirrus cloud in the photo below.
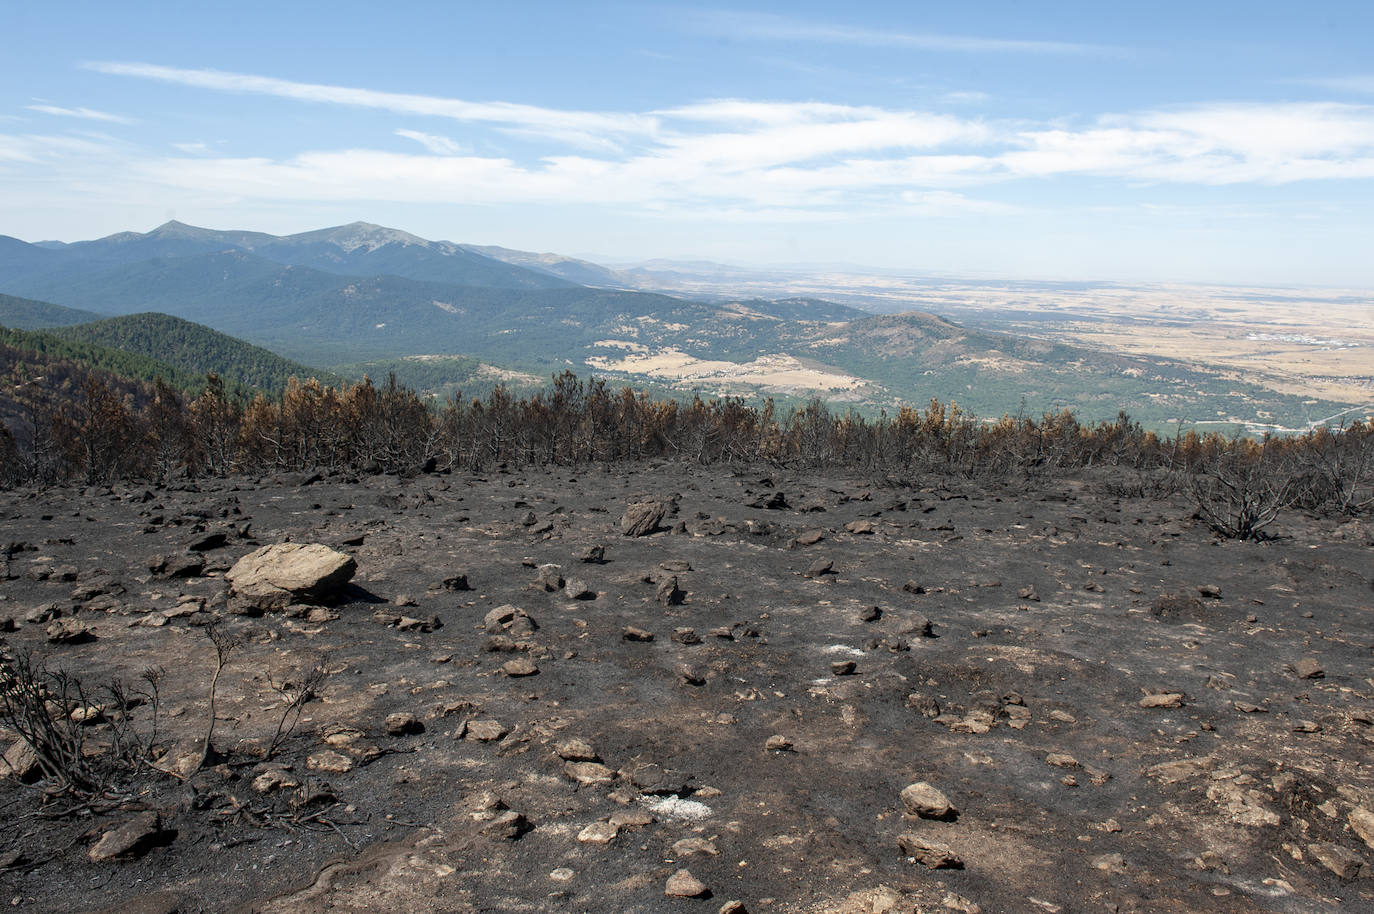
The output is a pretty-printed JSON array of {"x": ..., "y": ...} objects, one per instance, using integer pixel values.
[{"x": 731, "y": 154}]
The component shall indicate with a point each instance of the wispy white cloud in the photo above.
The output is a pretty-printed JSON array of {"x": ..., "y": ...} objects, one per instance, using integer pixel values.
[
  {"x": 771, "y": 27},
  {"x": 57, "y": 151},
  {"x": 89, "y": 114},
  {"x": 566, "y": 124},
  {"x": 1209, "y": 144},
  {"x": 439, "y": 145},
  {"x": 737, "y": 155}
]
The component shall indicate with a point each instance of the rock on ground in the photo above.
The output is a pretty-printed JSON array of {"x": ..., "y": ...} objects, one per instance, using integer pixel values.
[{"x": 284, "y": 573}]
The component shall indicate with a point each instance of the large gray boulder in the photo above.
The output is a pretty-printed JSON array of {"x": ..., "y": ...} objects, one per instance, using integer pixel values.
[{"x": 285, "y": 573}]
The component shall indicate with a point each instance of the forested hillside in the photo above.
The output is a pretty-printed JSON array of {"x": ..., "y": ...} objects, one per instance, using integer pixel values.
[
  {"x": 193, "y": 350},
  {"x": 28, "y": 314}
]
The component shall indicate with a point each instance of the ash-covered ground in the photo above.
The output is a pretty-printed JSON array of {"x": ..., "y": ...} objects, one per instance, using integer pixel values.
[{"x": 1112, "y": 709}]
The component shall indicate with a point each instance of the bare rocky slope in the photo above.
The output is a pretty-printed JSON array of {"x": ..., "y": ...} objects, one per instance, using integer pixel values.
[{"x": 1109, "y": 708}]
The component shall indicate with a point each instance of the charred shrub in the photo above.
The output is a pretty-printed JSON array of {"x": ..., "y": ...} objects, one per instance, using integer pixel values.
[
  {"x": 85, "y": 738},
  {"x": 1242, "y": 490}
]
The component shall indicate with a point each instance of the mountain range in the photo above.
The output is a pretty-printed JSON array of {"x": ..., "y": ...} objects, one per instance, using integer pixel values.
[{"x": 361, "y": 293}]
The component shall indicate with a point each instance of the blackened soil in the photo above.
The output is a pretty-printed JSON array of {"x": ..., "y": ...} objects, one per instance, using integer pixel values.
[{"x": 1054, "y": 609}]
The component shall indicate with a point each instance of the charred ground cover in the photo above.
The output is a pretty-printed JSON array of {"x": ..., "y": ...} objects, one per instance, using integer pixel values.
[
  {"x": 340, "y": 651},
  {"x": 513, "y": 705}
]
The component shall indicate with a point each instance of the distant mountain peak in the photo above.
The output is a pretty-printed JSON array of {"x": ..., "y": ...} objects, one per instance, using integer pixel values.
[
  {"x": 174, "y": 229},
  {"x": 357, "y": 235}
]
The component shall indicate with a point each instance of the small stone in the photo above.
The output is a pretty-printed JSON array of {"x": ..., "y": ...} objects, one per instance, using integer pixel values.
[
  {"x": 809, "y": 537},
  {"x": 778, "y": 743},
  {"x": 1309, "y": 668},
  {"x": 88, "y": 715},
  {"x": 40, "y": 614},
  {"x": 484, "y": 731},
  {"x": 820, "y": 568},
  {"x": 211, "y": 539},
  {"x": 519, "y": 667},
  {"x": 509, "y": 619},
  {"x": 631, "y": 818},
  {"x": 687, "y": 847},
  {"x": 1209, "y": 591},
  {"x": 843, "y": 667},
  {"x": 869, "y": 614},
  {"x": 691, "y": 675},
  {"x": 330, "y": 761},
  {"x": 861, "y": 527},
  {"x": 733, "y": 907},
  {"x": 929, "y": 853},
  {"x": 598, "y": 833},
  {"x": 920, "y": 627},
  {"x": 1062, "y": 760},
  {"x": 1362, "y": 824},
  {"x": 923, "y": 800},
  {"x": 686, "y": 636},
  {"x": 1017, "y": 716},
  {"x": 549, "y": 577},
  {"x": 578, "y": 589},
  {"x": 576, "y": 750},
  {"x": 508, "y": 825},
  {"x": 1162, "y": 700},
  {"x": 631, "y": 633},
  {"x": 959, "y": 904},
  {"x": 69, "y": 631},
  {"x": 923, "y": 704},
  {"x": 177, "y": 566},
  {"x": 589, "y": 774},
  {"x": 457, "y": 583},
  {"x": 593, "y": 555},
  {"x": 683, "y": 884},
  {"x": 343, "y": 736},
  {"x": 1064, "y": 717},
  {"x": 411, "y": 624},
  {"x": 669, "y": 593},
  {"x": 403, "y": 723},
  {"x": 1342, "y": 861},
  {"x": 21, "y": 763},
  {"x": 1111, "y": 863},
  {"x": 130, "y": 839},
  {"x": 643, "y": 518},
  {"x": 1028, "y": 593},
  {"x": 274, "y": 779}
]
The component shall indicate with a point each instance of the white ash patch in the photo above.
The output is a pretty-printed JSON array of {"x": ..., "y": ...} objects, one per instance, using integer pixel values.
[{"x": 674, "y": 807}]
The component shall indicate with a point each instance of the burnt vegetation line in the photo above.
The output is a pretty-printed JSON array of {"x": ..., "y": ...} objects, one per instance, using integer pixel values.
[{"x": 92, "y": 428}]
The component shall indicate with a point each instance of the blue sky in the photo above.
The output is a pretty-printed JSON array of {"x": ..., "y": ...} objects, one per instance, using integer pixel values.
[{"x": 1229, "y": 142}]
